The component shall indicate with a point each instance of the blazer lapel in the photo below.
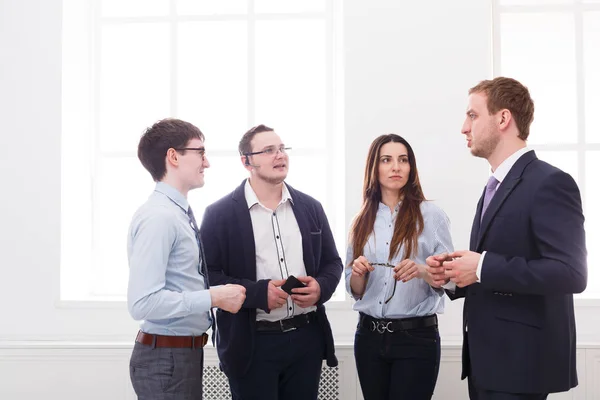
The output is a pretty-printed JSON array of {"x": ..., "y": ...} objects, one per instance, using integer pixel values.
[
  {"x": 240, "y": 207},
  {"x": 513, "y": 178},
  {"x": 476, "y": 224}
]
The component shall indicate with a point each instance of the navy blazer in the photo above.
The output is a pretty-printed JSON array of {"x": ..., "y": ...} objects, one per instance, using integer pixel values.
[
  {"x": 519, "y": 322},
  {"x": 229, "y": 245}
]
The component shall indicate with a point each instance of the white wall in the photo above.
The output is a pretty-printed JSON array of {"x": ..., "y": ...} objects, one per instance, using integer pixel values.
[{"x": 408, "y": 66}]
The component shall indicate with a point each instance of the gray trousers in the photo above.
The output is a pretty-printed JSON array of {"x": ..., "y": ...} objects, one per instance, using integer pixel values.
[{"x": 166, "y": 373}]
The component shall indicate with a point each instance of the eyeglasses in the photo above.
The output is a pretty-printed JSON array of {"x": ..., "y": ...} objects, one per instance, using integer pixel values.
[
  {"x": 387, "y": 265},
  {"x": 270, "y": 151},
  {"x": 201, "y": 151}
]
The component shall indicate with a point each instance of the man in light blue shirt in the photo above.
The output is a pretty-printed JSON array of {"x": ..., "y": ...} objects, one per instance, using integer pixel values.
[{"x": 168, "y": 286}]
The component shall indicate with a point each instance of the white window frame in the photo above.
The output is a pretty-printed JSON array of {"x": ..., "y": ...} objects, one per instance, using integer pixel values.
[
  {"x": 332, "y": 144},
  {"x": 577, "y": 8}
]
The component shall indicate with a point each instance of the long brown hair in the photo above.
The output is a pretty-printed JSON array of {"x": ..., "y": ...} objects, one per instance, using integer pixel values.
[{"x": 409, "y": 222}]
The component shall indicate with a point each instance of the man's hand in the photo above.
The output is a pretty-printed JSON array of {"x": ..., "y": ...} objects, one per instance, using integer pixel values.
[
  {"x": 360, "y": 267},
  {"x": 406, "y": 270},
  {"x": 275, "y": 296},
  {"x": 462, "y": 270},
  {"x": 228, "y": 297},
  {"x": 309, "y": 295},
  {"x": 436, "y": 274}
]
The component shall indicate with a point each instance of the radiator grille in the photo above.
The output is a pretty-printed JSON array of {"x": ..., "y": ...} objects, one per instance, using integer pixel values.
[{"x": 216, "y": 386}]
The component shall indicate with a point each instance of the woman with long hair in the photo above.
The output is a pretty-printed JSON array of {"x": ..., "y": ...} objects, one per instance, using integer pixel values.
[{"x": 397, "y": 343}]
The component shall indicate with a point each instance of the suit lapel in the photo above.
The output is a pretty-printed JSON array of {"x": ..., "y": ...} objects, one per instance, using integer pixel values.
[
  {"x": 476, "y": 223},
  {"x": 510, "y": 182},
  {"x": 240, "y": 207},
  {"x": 504, "y": 190}
]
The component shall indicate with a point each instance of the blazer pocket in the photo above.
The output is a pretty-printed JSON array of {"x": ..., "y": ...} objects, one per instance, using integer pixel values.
[
  {"x": 316, "y": 233},
  {"x": 524, "y": 310}
]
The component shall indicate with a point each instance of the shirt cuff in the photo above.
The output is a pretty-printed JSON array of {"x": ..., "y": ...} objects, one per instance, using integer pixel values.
[
  {"x": 451, "y": 286},
  {"x": 199, "y": 302},
  {"x": 479, "y": 266}
]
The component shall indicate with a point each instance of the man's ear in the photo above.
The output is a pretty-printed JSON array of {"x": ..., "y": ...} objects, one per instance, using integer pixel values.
[
  {"x": 504, "y": 118},
  {"x": 172, "y": 157}
]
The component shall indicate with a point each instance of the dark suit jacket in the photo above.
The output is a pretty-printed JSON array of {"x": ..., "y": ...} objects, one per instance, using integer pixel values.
[
  {"x": 231, "y": 258},
  {"x": 520, "y": 322}
]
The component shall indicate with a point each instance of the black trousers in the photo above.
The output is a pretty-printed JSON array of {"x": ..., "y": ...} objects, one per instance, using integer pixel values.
[
  {"x": 166, "y": 373},
  {"x": 402, "y": 365},
  {"x": 285, "y": 365}
]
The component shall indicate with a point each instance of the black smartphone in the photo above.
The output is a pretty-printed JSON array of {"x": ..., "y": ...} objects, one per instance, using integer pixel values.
[{"x": 291, "y": 283}]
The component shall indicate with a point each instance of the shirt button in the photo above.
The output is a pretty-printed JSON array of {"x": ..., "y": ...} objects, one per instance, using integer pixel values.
[
  {"x": 277, "y": 237},
  {"x": 379, "y": 302},
  {"x": 290, "y": 308},
  {"x": 281, "y": 259},
  {"x": 387, "y": 243},
  {"x": 274, "y": 214}
]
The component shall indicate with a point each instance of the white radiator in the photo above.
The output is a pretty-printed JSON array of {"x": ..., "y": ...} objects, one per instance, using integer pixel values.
[{"x": 216, "y": 386}]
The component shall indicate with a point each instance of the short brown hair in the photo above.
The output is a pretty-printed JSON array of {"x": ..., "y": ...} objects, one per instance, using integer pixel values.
[
  {"x": 510, "y": 94},
  {"x": 160, "y": 137},
  {"x": 244, "y": 147}
]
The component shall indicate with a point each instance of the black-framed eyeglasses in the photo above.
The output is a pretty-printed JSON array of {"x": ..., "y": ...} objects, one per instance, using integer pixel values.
[
  {"x": 386, "y": 265},
  {"x": 201, "y": 150},
  {"x": 270, "y": 151}
]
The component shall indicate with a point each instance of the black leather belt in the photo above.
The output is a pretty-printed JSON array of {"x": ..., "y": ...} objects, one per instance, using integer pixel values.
[
  {"x": 286, "y": 325},
  {"x": 393, "y": 325}
]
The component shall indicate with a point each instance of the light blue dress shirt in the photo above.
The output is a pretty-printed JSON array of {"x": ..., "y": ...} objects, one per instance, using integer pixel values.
[
  {"x": 165, "y": 288},
  {"x": 414, "y": 298}
]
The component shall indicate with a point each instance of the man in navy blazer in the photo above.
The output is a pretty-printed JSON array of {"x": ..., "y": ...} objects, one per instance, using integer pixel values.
[
  {"x": 528, "y": 257},
  {"x": 258, "y": 236}
]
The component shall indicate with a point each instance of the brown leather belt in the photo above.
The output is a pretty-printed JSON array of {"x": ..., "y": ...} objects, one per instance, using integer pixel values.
[{"x": 192, "y": 342}]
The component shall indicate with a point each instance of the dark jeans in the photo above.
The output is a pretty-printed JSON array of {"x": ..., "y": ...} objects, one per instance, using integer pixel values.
[
  {"x": 402, "y": 365},
  {"x": 285, "y": 365},
  {"x": 478, "y": 394},
  {"x": 166, "y": 373}
]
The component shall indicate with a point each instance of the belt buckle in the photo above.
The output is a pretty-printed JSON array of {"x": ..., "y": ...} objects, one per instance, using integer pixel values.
[
  {"x": 382, "y": 327},
  {"x": 283, "y": 328}
]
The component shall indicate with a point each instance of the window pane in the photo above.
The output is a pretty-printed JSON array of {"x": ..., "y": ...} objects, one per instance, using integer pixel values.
[
  {"x": 211, "y": 7},
  {"x": 291, "y": 72},
  {"x": 122, "y": 186},
  {"x": 549, "y": 71},
  {"x": 592, "y": 223},
  {"x": 133, "y": 83},
  {"x": 289, "y": 6},
  {"x": 565, "y": 160},
  {"x": 212, "y": 78},
  {"x": 591, "y": 56},
  {"x": 134, "y": 8}
]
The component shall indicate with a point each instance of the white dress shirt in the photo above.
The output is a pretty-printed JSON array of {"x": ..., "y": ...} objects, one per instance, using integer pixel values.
[{"x": 278, "y": 245}]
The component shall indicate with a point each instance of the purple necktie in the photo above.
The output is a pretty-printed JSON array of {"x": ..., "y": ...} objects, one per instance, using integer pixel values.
[{"x": 490, "y": 191}]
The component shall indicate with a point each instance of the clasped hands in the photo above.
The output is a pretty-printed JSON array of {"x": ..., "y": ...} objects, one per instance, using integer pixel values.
[
  {"x": 303, "y": 297},
  {"x": 404, "y": 271},
  {"x": 459, "y": 267}
]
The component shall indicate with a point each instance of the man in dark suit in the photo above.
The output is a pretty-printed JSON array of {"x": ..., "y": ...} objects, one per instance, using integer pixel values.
[
  {"x": 258, "y": 236},
  {"x": 527, "y": 258}
]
